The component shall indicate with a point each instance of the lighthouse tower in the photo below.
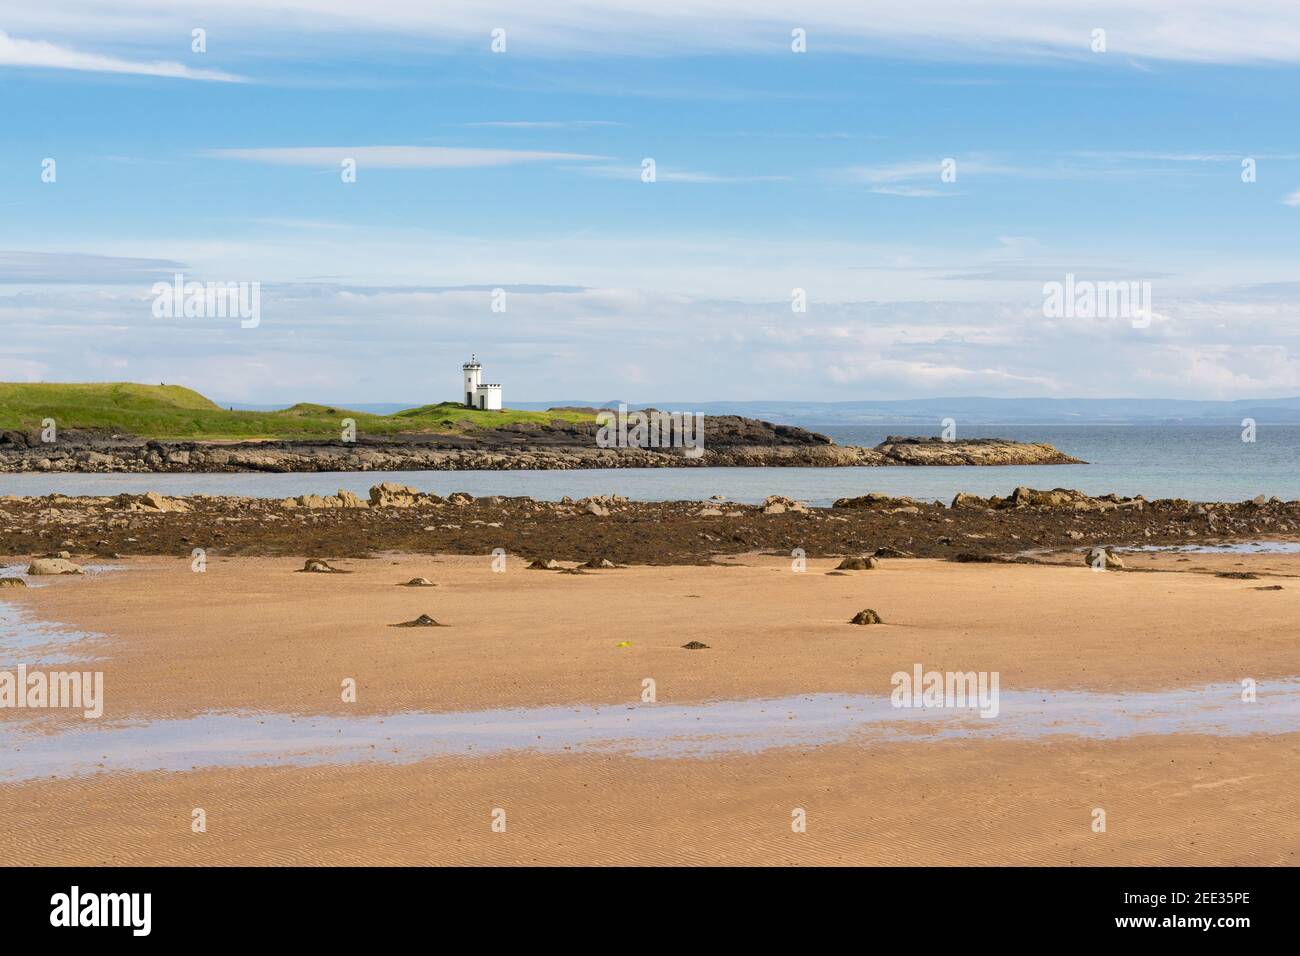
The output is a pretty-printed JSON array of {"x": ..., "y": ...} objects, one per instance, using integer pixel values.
[
  {"x": 480, "y": 395},
  {"x": 473, "y": 377}
]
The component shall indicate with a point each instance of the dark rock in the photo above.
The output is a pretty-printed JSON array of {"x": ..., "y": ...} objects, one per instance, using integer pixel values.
[
  {"x": 893, "y": 553},
  {"x": 866, "y": 616}
]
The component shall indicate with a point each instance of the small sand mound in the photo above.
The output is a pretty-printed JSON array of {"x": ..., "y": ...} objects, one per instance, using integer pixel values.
[
  {"x": 417, "y": 583},
  {"x": 422, "y": 621},
  {"x": 856, "y": 564},
  {"x": 866, "y": 616},
  {"x": 836, "y": 574},
  {"x": 695, "y": 646},
  {"x": 12, "y": 583},
  {"x": 1237, "y": 575},
  {"x": 1266, "y": 587},
  {"x": 318, "y": 566},
  {"x": 572, "y": 571}
]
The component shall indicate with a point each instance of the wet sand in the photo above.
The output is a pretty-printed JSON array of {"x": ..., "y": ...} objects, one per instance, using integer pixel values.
[
  {"x": 253, "y": 634},
  {"x": 256, "y": 633},
  {"x": 1171, "y": 800}
]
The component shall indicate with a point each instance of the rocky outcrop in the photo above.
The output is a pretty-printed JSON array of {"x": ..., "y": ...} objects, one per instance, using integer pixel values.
[
  {"x": 779, "y": 505},
  {"x": 890, "y": 505},
  {"x": 1066, "y": 499},
  {"x": 783, "y": 447},
  {"x": 978, "y": 451},
  {"x": 635, "y": 532}
]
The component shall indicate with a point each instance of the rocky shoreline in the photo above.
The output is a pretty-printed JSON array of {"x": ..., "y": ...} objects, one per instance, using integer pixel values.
[
  {"x": 96, "y": 454},
  {"x": 396, "y": 518}
]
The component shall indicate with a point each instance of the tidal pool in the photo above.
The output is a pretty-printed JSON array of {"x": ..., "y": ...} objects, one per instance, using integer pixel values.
[{"x": 242, "y": 739}]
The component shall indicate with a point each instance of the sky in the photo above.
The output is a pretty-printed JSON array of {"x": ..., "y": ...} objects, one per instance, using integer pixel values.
[{"x": 915, "y": 174}]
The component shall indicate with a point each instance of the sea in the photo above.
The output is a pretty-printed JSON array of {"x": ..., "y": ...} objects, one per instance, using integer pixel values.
[{"x": 1197, "y": 462}]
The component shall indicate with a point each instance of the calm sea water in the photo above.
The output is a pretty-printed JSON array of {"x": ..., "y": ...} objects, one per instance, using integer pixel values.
[{"x": 1203, "y": 463}]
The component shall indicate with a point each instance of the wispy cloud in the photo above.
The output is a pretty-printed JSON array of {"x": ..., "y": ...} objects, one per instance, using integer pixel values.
[
  {"x": 912, "y": 192},
  {"x": 43, "y": 55},
  {"x": 666, "y": 174},
  {"x": 398, "y": 157},
  {"x": 1207, "y": 31},
  {"x": 1292, "y": 199},
  {"x": 543, "y": 124}
]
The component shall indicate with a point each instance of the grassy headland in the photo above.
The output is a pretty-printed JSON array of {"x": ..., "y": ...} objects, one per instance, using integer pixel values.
[{"x": 176, "y": 412}]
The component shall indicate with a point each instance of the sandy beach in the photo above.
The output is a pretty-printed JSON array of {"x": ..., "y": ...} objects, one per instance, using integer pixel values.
[{"x": 256, "y": 636}]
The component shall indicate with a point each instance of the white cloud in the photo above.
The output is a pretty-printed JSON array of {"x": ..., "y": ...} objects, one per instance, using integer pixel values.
[
  {"x": 397, "y": 157},
  {"x": 1293, "y": 199},
  {"x": 318, "y": 338},
  {"x": 38, "y": 53}
]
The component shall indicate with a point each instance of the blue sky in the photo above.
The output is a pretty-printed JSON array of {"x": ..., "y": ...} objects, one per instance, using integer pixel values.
[{"x": 775, "y": 171}]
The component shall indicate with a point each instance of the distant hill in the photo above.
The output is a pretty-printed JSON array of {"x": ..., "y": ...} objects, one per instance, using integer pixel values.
[
  {"x": 991, "y": 411},
  {"x": 173, "y": 411}
]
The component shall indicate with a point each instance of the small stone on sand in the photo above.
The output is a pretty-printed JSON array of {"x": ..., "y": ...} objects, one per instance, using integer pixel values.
[
  {"x": 317, "y": 566},
  {"x": 422, "y": 621},
  {"x": 856, "y": 564},
  {"x": 695, "y": 646},
  {"x": 866, "y": 616}
]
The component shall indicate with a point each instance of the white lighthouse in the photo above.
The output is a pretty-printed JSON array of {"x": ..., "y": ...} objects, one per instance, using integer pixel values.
[{"x": 477, "y": 394}]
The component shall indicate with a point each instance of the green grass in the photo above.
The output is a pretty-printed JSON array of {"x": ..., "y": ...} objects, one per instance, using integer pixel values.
[{"x": 172, "y": 411}]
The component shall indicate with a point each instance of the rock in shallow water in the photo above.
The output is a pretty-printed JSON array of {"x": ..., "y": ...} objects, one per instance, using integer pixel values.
[
  {"x": 54, "y": 566},
  {"x": 1102, "y": 558}
]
